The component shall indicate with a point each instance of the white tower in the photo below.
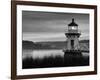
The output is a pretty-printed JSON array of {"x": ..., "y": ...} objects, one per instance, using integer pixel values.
[{"x": 72, "y": 36}]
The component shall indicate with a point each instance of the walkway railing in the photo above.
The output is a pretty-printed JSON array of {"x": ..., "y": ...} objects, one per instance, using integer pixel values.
[{"x": 72, "y": 31}]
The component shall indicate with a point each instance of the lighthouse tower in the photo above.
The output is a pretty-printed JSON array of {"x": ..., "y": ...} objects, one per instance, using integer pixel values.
[
  {"x": 72, "y": 53},
  {"x": 72, "y": 35}
]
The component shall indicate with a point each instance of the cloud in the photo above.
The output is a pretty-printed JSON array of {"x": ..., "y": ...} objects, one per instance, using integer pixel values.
[{"x": 44, "y": 37}]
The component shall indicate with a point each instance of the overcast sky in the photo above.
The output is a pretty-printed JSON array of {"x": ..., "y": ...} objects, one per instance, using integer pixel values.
[{"x": 49, "y": 26}]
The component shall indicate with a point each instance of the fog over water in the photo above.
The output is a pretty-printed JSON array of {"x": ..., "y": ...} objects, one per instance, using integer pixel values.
[{"x": 45, "y": 53}]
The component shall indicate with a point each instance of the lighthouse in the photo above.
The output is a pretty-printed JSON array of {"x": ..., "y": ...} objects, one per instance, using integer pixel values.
[
  {"x": 72, "y": 51},
  {"x": 72, "y": 35}
]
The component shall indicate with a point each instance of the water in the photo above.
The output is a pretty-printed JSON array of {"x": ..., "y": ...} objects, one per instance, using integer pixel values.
[{"x": 44, "y": 53}]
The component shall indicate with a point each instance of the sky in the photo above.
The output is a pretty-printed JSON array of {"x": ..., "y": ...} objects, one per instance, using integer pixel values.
[{"x": 51, "y": 26}]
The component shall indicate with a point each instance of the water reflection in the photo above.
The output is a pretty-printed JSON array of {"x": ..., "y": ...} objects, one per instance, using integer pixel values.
[{"x": 44, "y": 53}]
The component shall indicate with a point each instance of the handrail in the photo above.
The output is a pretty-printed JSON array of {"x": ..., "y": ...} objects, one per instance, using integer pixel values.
[{"x": 72, "y": 31}]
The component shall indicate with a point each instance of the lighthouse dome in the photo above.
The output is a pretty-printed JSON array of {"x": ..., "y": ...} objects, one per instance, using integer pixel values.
[{"x": 73, "y": 23}]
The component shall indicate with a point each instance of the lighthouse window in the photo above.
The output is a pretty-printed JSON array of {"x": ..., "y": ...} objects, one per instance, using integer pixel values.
[
  {"x": 74, "y": 27},
  {"x": 72, "y": 44}
]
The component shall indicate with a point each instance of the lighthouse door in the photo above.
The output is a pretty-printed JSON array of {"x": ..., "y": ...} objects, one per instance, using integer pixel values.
[{"x": 72, "y": 44}]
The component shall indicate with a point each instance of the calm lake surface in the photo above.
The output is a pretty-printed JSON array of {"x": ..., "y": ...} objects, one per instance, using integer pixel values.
[{"x": 44, "y": 53}]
